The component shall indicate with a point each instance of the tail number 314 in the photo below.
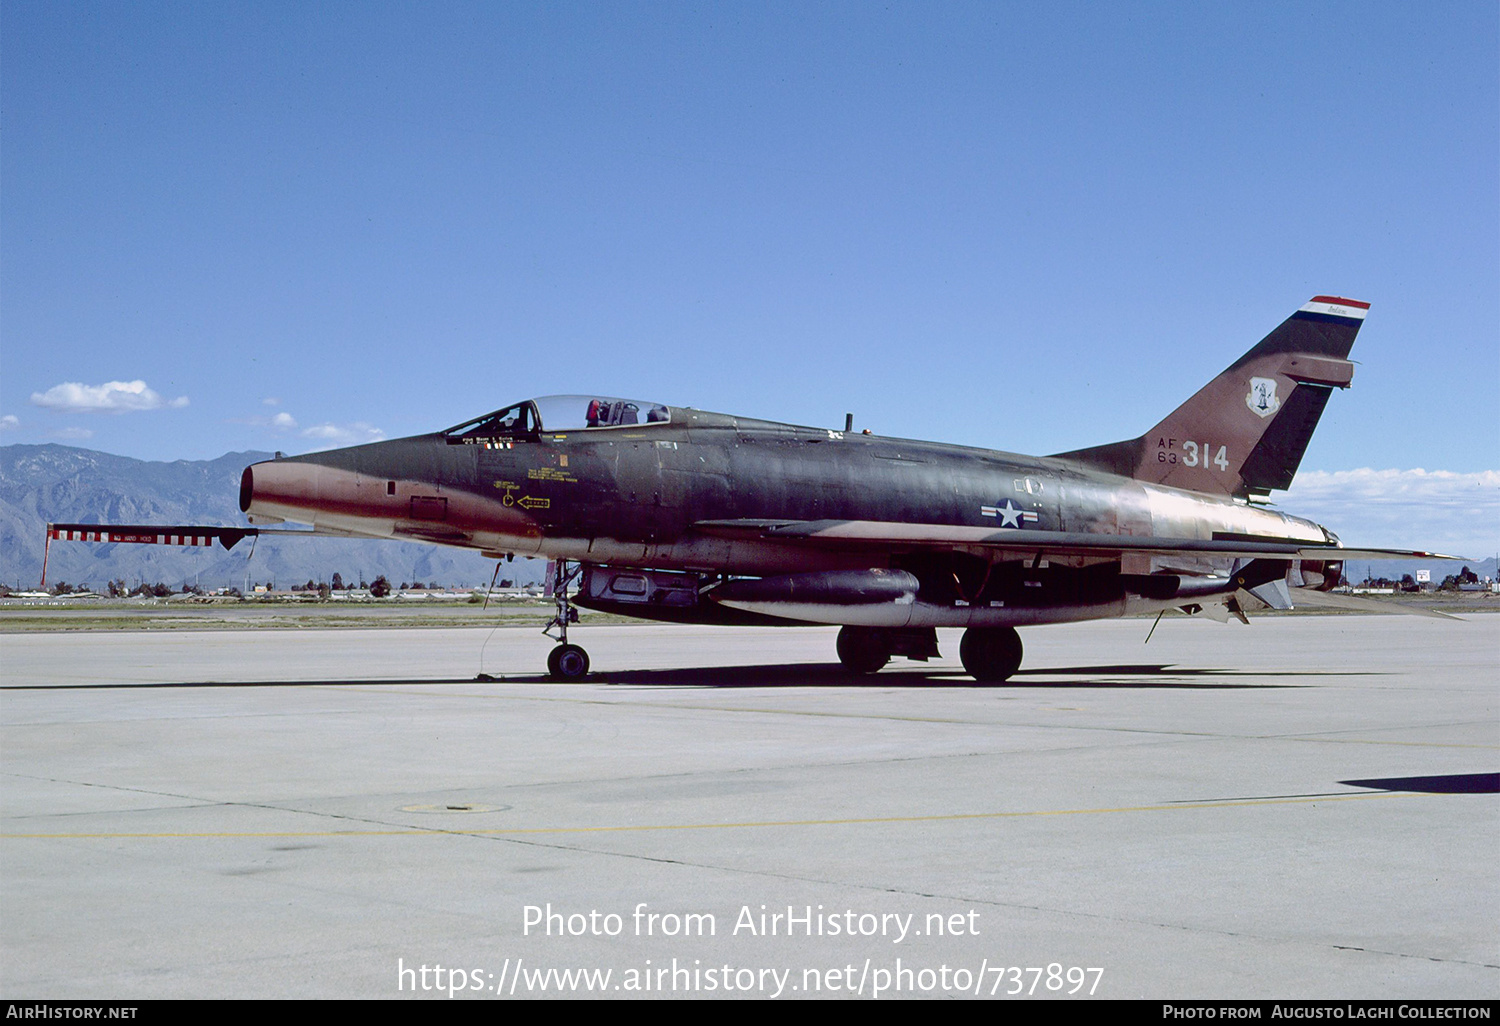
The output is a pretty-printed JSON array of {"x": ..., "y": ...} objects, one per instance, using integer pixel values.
[{"x": 1193, "y": 452}]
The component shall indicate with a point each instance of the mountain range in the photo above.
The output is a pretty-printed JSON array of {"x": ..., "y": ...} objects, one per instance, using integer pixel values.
[{"x": 41, "y": 484}]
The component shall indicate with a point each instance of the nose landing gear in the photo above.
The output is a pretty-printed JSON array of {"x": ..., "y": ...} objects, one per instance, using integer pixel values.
[
  {"x": 565, "y": 662},
  {"x": 568, "y": 662}
]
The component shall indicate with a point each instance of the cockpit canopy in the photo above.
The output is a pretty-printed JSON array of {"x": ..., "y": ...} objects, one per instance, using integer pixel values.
[{"x": 555, "y": 413}]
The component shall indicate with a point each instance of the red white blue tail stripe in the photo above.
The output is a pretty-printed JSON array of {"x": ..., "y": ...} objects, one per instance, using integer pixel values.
[{"x": 1335, "y": 308}]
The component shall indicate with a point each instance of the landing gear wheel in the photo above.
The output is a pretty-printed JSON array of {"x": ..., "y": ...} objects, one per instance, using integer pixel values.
[
  {"x": 863, "y": 649},
  {"x": 990, "y": 654},
  {"x": 565, "y": 662},
  {"x": 568, "y": 662}
]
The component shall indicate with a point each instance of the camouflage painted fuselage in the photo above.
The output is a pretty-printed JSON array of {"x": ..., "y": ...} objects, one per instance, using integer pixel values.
[
  {"x": 676, "y": 514},
  {"x": 705, "y": 492}
]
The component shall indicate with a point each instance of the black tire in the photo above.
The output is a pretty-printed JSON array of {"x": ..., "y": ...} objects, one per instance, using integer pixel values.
[
  {"x": 991, "y": 654},
  {"x": 568, "y": 662},
  {"x": 863, "y": 649}
]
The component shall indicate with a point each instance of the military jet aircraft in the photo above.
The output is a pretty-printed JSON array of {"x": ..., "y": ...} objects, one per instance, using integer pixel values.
[{"x": 671, "y": 513}]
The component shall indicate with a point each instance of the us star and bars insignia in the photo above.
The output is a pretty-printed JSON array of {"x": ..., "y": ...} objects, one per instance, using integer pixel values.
[{"x": 1009, "y": 514}]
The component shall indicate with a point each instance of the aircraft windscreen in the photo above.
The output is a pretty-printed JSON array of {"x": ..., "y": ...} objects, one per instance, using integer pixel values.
[
  {"x": 580, "y": 412},
  {"x": 516, "y": 421}
]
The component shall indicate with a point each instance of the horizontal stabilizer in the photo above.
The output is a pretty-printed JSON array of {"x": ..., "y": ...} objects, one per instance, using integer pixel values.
[
  {"x": 1273, "y": 593},
  {"x": 1358, "y": 604}
]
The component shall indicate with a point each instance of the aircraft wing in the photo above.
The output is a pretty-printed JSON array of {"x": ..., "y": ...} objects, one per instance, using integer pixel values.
[{"x": 859, "y": 533}]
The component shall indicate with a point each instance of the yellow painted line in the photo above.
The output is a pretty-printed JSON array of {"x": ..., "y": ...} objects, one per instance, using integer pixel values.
[
  {"x": 662, "y": 705},
  {"x": 750, "y": 824},
  {"x": 1399, "y": 744},
  {"x": 402, "y": 689}
]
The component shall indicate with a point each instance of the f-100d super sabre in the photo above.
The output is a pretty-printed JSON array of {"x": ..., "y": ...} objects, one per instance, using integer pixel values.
[{"x": 677, "y": 514}]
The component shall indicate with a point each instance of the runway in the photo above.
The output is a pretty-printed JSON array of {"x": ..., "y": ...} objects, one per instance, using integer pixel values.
[{"x": 1301, "y": 808}]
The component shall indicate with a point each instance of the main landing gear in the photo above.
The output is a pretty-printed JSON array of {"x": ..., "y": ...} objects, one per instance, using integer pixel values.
[
  {"x": 989, "y": 654},
  {"x": 863, "y": 649},
  {"x": 565, "y": 662}
]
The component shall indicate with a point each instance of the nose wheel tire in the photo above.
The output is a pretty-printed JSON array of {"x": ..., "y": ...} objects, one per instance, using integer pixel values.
[
  {"x": 990, "y": 654},
  {"x": 568, "y": 662},
  {"x": 863, "y": 649}
]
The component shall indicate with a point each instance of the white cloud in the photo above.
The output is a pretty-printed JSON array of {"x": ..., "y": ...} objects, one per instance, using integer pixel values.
[
  {"x": 284, "y": 421},
  {"x": 110, "y": 397},
  {"x": 73, "y": 434},
  {"x": 344, "y": 434},
  {"x": 1439, "y": 510},
  {"x": 9, "y": 421},
  {"x": 270, "y": 400}
]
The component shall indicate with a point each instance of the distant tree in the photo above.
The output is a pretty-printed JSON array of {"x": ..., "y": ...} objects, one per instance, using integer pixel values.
[
  {"x": 381, "y": 588},
  {"x": 324, "y": 591},
  {"x": 1464, "y": 576},
  {"x": 62, "y": 588},
  {"x": 338, "y": 582}
]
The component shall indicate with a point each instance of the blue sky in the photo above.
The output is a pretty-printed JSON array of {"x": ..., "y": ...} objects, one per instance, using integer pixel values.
[{"x": 1031, "y": 227}]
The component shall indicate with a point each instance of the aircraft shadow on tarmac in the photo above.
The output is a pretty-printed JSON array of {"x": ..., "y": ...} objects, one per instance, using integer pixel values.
[
  {"x": 815, "y": 675},
  {"x": 1451, "y": 783},
  {"x": 1448, "y": 783},
  {"x": 832, "y": 675},
  {"x": 168, "y": 684}
]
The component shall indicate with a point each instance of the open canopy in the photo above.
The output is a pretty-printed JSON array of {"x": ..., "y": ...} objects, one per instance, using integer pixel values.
[{"x": 555, "y": 413}]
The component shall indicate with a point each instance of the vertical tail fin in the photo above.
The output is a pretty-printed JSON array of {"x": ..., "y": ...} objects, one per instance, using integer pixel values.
[{"x": 1244, "y": 432}]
